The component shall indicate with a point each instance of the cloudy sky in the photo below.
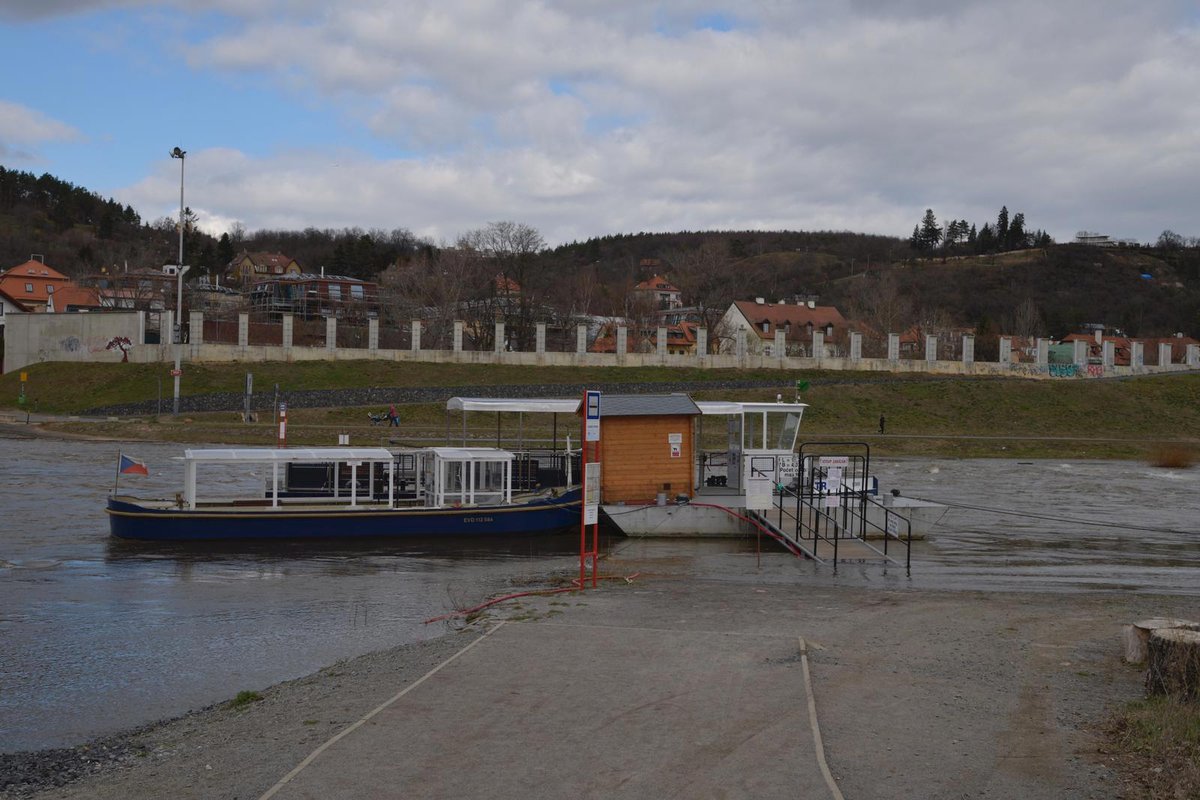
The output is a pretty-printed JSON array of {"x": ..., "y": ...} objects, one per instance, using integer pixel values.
[{"x": 590, "y": 117}]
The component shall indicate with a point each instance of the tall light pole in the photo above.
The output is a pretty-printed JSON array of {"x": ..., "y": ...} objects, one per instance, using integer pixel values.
[{"x": 177, "y": 333}]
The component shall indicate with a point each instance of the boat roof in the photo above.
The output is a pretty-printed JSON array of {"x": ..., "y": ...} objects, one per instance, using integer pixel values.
[
  {"x": 288, "y": 454},
  {"x": 543, "y": 405},
  {"x": 564, "y": 405},
  {"x": 470, "y": 453},
  {"x": 727, "y": 407}
]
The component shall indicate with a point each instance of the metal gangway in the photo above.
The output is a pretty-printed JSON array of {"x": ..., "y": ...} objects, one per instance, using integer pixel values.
[{"x": 832, "y": 513}]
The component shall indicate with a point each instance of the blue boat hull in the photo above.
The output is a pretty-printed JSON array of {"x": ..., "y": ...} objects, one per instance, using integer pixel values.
[{"x": 129, "y": 520}]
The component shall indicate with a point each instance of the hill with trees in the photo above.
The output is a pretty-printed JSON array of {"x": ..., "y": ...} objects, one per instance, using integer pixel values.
[{"x": 993, "y": 277}]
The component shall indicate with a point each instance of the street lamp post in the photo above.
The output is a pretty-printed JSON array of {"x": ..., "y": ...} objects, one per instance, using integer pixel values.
[{"x": 177, "y": 333}]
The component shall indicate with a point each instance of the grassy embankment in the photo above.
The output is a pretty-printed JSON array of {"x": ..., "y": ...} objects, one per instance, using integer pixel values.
[{"x": 925, "y": 416}]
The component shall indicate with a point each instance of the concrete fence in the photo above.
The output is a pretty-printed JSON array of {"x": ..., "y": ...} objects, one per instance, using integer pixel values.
[{"x": 117, "y": 336}]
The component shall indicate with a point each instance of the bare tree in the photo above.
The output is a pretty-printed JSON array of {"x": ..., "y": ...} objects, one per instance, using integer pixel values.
[
  {"x": 511, "y": 247},
  {"x": 878, "y": 303},
  {"x": 1025, "y": 320},
  {"x": 434, "y": 287},
  {"x": 708, "y": 282}
]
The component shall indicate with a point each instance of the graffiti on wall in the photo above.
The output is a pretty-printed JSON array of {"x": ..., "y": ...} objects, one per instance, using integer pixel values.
[
  {"x": 1063, "y": 370},
  {"x": 121, "y": 343}
]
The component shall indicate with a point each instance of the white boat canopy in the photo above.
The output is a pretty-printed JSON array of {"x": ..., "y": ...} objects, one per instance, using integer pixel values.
[
  {"x": 531, "y": 405},
  {"x": 728, "y": 408},
  {"x": 354, "y": 456},
  {"x": 289, "y": 455}
]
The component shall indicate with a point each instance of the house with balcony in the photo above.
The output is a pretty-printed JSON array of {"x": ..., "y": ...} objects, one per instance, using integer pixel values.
[{"x": 308, "y": 296}]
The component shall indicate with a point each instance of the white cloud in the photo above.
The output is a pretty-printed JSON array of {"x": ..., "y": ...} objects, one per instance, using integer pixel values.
[
  {"x": 19, "y": 123},
  {"x": 586, "y": 118}
]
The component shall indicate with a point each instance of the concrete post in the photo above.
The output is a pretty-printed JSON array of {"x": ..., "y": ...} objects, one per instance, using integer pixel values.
[
  {"x": 196, "y": 328},
  {"x": 622, "y": 342},
  {"x": 1043, "y": 352},
  {"x": 893, "y": 351},
  {"x": 856, "y": 346},
  {"x": 498, "y": 340},
  {"x": 288, "y": 322},
  {"x": 580, "y": 339},
  {"x": 539, "y": 345},
  {"x": 1005, "y": 349},
  {"x": 331, "y": 333},
  {"x": 818, "y": 345},
  {"x": 702, "y": 342},
  {"x": 458, "y": 335},
  {"x": 243, "y": 329},
  {"x": 1080, "y": 356},
  {"x": 660, "y": 342},
  {"x": 166, "y": 327},
  {"x": 968, "y": 348},
  {"x": 1109, "y": 357},
  {"x": 373, "y": 334},
  {"x": 1193, "y": 355},
  {"x": 740, "y": 343},
  {"x": 1137, "y": 354},
  {"x": 930, "y": 349},
  {"x": 780, "y": 344},
  {"x": 415, "y": 344},
  {"x": 1164, "y": 354}
]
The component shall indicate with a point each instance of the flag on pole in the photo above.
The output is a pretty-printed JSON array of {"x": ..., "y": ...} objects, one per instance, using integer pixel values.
[{"x": 131, "y": 466}]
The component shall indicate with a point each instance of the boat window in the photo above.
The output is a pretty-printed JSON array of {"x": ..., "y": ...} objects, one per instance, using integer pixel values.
[
  {"x": 752, "y": 430},
  {"x": 782, "y": 428}
]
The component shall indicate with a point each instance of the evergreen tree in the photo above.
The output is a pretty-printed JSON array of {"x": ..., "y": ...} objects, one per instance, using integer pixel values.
[
  {"x": 915, "y": 240},
  {"x": 931, "y": 234},
  {"x": 987, "y": 239},
  {"x": 1016, "y": 232},
  {"x": 225, "y": 252},
  {"x": 1002, "y": 227}
]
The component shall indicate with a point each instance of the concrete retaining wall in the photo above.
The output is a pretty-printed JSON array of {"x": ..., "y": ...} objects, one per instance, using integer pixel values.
[{"x": 32, "y": 338}]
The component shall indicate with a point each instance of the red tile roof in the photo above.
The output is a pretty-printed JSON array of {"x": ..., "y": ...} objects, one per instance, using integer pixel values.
[{"x": 788, "y": 316}]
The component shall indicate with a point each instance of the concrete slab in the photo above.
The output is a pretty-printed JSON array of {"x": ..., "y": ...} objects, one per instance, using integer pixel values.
[{"x": 588, "y": 710}]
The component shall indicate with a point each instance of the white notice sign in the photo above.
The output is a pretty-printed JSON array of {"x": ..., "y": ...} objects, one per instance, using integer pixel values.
[{"x": 591, "y": 493}]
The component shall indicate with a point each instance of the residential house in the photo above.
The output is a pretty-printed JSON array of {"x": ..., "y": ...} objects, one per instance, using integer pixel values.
[
  {"x": 9, "y": 304},
  {"x": 797, "y": 321},
  {"x": 72, "y": 298},
  {"x": 661, "y": 293},
  {"x": 1096, "y": 340},
  {"x": 314, "y": 296},
  {"x": 681, "y": 339},
  {"x": 249, "y": 268},
  {"x": 32, "y": 284}
]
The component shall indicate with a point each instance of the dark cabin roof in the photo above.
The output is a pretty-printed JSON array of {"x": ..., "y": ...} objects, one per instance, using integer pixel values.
[{"x": 646, "y": 405}]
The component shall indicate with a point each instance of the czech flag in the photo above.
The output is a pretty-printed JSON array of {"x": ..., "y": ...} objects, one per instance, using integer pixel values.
[{"x": 130, "y": 466}]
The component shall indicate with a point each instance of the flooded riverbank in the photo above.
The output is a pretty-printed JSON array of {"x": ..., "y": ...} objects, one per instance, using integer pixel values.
[{"x": 98, "y": 635}]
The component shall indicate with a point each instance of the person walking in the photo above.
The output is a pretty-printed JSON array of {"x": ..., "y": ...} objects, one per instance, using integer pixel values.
[
  {"x": 393, "y": 417},
  {"x": 881, "y": 423}
]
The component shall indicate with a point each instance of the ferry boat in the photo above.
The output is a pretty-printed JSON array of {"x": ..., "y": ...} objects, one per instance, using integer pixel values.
[{"x": 345, "y": 492}]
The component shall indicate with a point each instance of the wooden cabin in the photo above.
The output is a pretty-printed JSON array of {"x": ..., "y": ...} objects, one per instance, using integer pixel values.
[{"x": 646, "y": 447}]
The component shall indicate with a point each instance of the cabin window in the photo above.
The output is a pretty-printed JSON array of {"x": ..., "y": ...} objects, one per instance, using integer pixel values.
[
  {"x": 356, "y": 291},
  {"x": 766, "y": 327},
  {"x": 781, "y": 429},
  {"x": 49, "y": 288},
  {"x": 29, "y": 288},
  {"x": 335, "y": 291}
]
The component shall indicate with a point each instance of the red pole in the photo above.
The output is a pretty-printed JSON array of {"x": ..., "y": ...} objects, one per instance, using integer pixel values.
[{"x": 583, "y": 485}]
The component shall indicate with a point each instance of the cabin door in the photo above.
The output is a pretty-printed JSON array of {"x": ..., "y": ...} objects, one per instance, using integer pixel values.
[{"x": 733, "y": 471}]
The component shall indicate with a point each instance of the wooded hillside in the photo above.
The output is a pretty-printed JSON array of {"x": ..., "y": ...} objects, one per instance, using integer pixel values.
[{"x": 888, "y": 282}]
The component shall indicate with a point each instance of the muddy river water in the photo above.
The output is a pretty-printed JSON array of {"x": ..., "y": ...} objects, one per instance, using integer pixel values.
[{"x": 98, "y": 635}]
